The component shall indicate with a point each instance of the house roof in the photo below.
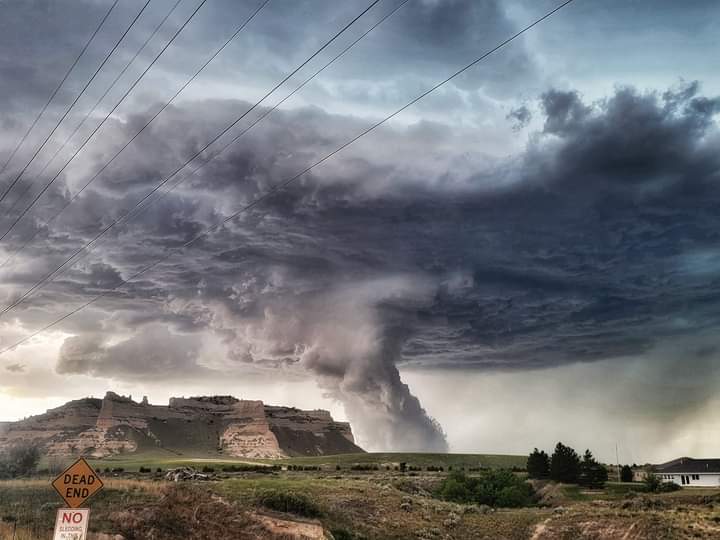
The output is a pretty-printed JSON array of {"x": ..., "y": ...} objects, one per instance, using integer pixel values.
[{"x": 689, "y": 465}]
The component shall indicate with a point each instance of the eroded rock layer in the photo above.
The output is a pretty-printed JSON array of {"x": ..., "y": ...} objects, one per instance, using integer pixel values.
[{"x": 197, "y": 426}]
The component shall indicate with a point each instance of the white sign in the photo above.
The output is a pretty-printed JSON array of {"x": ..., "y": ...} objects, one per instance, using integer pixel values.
[{"x": 72, "y": 524}]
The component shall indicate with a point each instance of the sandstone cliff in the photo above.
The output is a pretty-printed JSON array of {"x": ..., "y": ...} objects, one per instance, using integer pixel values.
[{"x": 198, "y": 426}]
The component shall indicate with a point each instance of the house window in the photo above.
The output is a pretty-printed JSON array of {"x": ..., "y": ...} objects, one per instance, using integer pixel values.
[{"x": 696, "y": 477}]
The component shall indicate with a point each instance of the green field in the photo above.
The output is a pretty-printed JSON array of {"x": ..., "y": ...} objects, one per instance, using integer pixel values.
[{"x": 132, "y": 462}]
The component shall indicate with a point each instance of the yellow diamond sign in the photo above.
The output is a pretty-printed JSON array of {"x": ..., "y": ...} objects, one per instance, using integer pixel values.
[{"x": 78, "y": 483}]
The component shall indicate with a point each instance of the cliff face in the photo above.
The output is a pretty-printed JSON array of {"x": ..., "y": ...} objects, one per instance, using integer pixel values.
[{"x": 217, "y": 425}]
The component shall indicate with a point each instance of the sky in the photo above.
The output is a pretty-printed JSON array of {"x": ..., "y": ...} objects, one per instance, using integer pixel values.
[{"x": 528, "y": 254}]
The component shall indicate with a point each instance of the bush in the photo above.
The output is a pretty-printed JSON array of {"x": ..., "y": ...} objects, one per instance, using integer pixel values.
[
  {"x": 342, "y": 534},
  {"x": 667, "y": 487},
  {"x": 654, "y": 484},
  {"x": 626, "y": 474},
  {"x": 493, "y": 488},
  {"x": 287, "y": 501}
]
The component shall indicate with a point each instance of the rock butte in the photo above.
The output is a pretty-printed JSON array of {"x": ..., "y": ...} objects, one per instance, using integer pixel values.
[{"x": 198, "y": 426}]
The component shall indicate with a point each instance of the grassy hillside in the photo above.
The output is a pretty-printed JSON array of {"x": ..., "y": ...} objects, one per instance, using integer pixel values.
[{"x": 132, "y": 462}]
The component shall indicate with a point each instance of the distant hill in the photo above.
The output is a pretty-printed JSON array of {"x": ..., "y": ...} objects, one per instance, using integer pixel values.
[{"x": 212, "y": 426}]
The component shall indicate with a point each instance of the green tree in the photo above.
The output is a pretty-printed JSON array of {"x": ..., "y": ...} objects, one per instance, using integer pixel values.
[
  {"x": 626, "y": 473},
  {"x": 19, "y": 460},
  {"x": 565, "y": 465},
  {"x": 592, "y": 474},
  {"x": 538, "y": 464}
]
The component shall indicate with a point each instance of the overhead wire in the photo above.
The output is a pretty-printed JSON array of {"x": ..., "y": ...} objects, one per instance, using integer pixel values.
[
  {"x": 285, "y": 183},
  {"x": 139, "y": 205},
  {"x": 97, "y": 128},
  {"x": 74, "y": 102},
  {"x": 99, "y": 235},
  {"x": 96, "y": 105},
  {"x": 57, "y": 88}
]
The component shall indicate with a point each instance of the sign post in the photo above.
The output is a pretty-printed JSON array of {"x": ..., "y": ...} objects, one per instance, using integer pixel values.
[{"x": 76, "y": 485}]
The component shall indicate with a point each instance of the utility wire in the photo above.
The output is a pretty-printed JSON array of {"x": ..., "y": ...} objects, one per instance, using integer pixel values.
[
  {"x": 57, "y": 88},
  {"x": 99, "y": 235},
  {"x": 77, "y": 98},
  {"x": 139, "y": 206},
  {"x": 97, "y": 104},
  {"x": 282, "y": 185},
  {"x": 107, "y": 116}
]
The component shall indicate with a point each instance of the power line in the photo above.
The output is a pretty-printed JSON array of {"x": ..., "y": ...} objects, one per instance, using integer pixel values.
[
  {"x": 79, "y": 149},
  {"x": 96, "y": 105},
  {"x": 77, "y": 98},
  {"x": 268, "y": 112},
  {"x": 37, "y": 232},
  {"x": 140, "y": 203},
  {"x": 57, "y": 88},
  {"x": 212, "y": 141},
  {"x": 282, "y": 185}
]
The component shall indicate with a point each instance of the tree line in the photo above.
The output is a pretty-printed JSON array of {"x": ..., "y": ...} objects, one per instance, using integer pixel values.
[{"x": 565, "y": 465}]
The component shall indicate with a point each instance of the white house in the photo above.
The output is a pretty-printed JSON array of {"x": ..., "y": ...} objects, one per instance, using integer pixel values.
[{"x": 687, "y": 471}]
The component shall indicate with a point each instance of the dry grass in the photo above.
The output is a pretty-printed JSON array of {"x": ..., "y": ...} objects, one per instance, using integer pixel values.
[{"x": 374, "y": 506}]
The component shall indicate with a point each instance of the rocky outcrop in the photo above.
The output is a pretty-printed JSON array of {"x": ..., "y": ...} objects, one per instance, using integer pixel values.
[{"x": 196, "y": 426}]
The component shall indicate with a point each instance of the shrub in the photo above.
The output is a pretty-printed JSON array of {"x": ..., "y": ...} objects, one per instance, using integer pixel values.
[
  {"x": 626, "y": 474},
  {"x": 290, "y": 502},
  {"x": 493, "y": 488},
  {"x": 458, "y": 488},
  {"x": 666, "y": 487},
  {"x": 144, "y": 470},
  {"x": 342, "y": 534},
  {"x": 654, "y": 484},
  {"x": 207, "y": 469}
]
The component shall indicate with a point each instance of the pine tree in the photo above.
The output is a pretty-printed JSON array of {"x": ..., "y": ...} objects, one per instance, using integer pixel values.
[
  {"x": 626, "y": 474},
  {"x": 592, "y": 474},
  {"x": 565, "y": 465},
  {"x": 538, "y": 464}
]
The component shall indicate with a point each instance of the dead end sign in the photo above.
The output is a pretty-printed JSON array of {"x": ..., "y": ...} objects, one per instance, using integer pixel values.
[
  {"x": 78, "y": 483},
  {"x": 72, "y": 524}
]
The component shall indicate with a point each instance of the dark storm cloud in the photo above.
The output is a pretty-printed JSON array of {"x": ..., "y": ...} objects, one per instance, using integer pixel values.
[
  {"x": 588, "y": 254},
  {"x": 520, "y": 117}
]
